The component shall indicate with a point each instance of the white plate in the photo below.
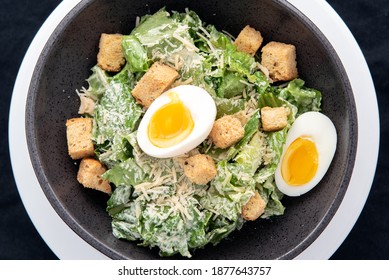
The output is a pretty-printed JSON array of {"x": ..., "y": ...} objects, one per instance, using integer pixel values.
[{"x": 68, "y": 245}]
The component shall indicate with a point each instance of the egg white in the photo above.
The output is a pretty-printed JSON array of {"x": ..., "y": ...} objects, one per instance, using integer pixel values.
[
  {"x": 320, "y": 129},
  {"x": 203, "y": 110}
]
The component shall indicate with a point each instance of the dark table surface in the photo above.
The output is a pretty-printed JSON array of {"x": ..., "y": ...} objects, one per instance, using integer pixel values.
[{"x": 368, "y": 21}]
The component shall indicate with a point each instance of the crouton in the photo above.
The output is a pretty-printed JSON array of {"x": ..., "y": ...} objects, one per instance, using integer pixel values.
[
  {"x": 89, "y": 175},
  {"x": 280, "y": 60},
  {"x": 249, "y": 40},
  {"x": 79, "y": 137},
  {"x": 254, "y": 208},
  {"x": 200, "y": 169},
  {"x": 110, "y": 56},
  {"x": 156, "y": 80},
  {"x": 274, "y": 119},
  {"x": 226, "y": 131}
]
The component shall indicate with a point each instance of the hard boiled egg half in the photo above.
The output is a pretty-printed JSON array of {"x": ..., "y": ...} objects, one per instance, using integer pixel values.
[
  {"x": 308, "y": 151},
  {"x": 176, "y": 122}
]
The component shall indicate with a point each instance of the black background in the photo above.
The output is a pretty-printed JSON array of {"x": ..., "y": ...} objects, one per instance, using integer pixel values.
[{"x": 368, "y": 21}]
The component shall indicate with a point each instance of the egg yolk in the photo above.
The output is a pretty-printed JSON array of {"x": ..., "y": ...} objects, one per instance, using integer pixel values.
[
  {"x": 300, "y": 162},
  {"x": 170, "y": 124}
]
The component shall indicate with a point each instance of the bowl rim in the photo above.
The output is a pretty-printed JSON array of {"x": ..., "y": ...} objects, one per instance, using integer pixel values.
[{"x": 276, "y": 1}]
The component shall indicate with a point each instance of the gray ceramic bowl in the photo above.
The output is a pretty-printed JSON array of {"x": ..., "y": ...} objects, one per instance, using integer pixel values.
[{"x": 65, "y": 64}]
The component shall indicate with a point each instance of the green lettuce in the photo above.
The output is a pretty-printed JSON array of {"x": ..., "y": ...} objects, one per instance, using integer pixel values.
[
  {"x": 135, "y": 54},
  {"x": 250, "y": 129},
  {"x": 275, "y": 140},
  {"x": 126, "y": 173},
  {"x": 304, "y": 98},
  {"x": 117, "y": 111},
  {"x": 114, "y": 152},
  {"x": 272, "y": 196},
  {"x": 98, "y": 83},
  {"x": 228, "y": 192},
  {"x": 218, "y": 154},
  {"x": 225, "y": 106},
  {"x": 250, "y": 157},
  {"x": 239, "y": 62},
  {"x": 231, "y": 85}
]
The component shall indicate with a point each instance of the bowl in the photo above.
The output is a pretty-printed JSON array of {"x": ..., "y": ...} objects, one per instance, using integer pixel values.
[{"x": 65, "y": 63}]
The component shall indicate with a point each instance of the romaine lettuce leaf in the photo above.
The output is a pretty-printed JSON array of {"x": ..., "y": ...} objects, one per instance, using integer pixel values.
[
  {"x": 126, "y": 173},
  {"x": 250, "y": 129},
  {"x": 272, "y": 196},
  {"x": 117, "y": 111},
  {"x": 225, "y": 106},
  {"x": 159, "y": 224},
  {"x": 121, "y": 195},
  {"x": 135, "y": 54},
  {"x": 275, "y": 140},
  {"x": 229, "y": 191},
  {"x": 168, "y": 232},
  {"x": 238, "y": 62},
  {"x": 125, "y": 229},
  {"x": 231, "y": 85},
  {"x": 154, "y": 28},
  {"x": 98, "y": 83},
  {"x": 112, "y": 153},
  {"x": 219, "y": 154},
  {"x": 197, "y": 227},
  {"x": 164, "y": 36},
  {"x": 221, "y": 227},
  {"x": 119, "y": 199},
  {"x": 250, "y": 156},
  {"x": 306, "y": 99},
  {"x": 189, "y": 18}
]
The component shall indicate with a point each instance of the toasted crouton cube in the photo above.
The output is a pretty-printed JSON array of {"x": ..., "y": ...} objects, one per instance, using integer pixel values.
[
  {"x": 226, "y": 131},
  {"x": 200, "y": 169},
  {"x": 156, "y": 80},
  {"x": 110, "y": 56},
  {"x": 254, "y": 208},
  {"x": 249, "y": 40},
  {"x": 280, "y": 60},
  {"x": 89, "y": 175},
  {"x": 274, "y": 119},
  {"x": 79, "y": 137}
]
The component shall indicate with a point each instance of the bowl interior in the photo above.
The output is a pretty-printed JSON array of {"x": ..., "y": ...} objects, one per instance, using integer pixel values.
[{"x": 65, "y": 64}]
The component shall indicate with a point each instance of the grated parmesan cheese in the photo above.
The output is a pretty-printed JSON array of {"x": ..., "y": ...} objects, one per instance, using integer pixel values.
[
  {"x": 190, "y": 46},
  {"x": 205, "y": 31},
  {"x": 229, "y": 35},
  {"x": 265, "y": 71},
  {"x": 212, "y": 48}
]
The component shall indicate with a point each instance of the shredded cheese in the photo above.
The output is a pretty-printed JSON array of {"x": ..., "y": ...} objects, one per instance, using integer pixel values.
[
  {"x": 222, "y": 61},
  {"x": 170, "y": 43},
  {"x": 246, "y": 83},
  {"x": 205, "y": 31},
  {"x": 187, "y": 43},
  {"x": 212, "y": 48},
  {"x": 265, "y": 71},
  {"x": 168, "y": 186},
  {"x": 229, "y": 35}
]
